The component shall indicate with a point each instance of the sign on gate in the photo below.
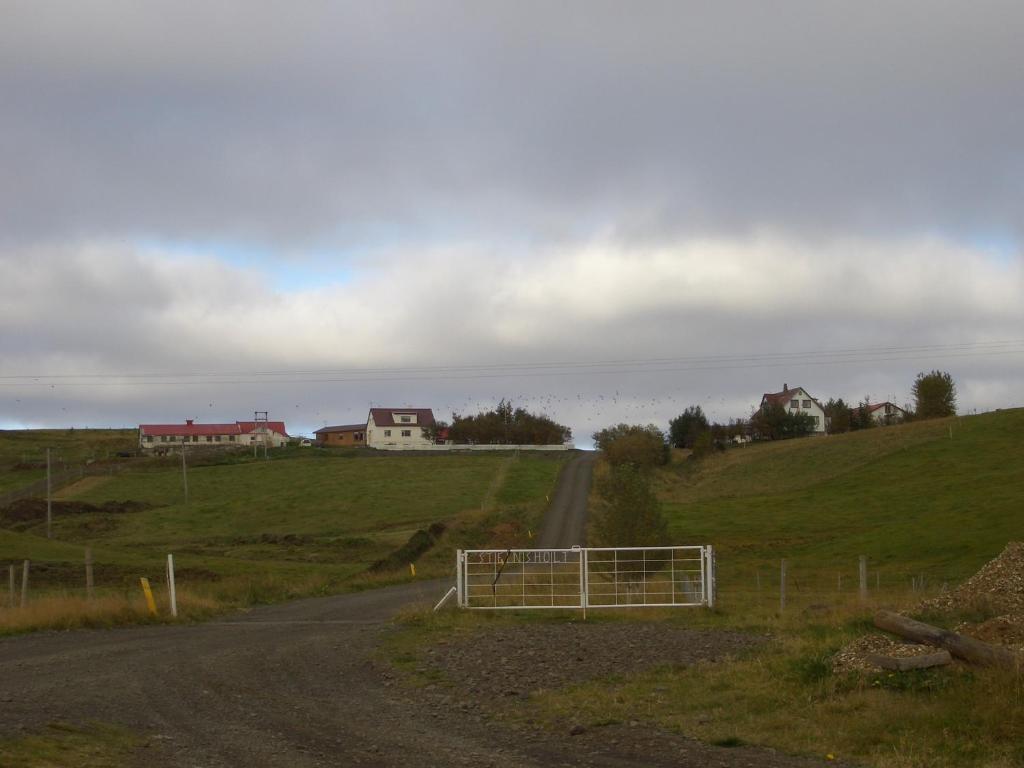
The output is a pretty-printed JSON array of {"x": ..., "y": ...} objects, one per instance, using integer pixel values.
[{"x": 586, "y": 577}]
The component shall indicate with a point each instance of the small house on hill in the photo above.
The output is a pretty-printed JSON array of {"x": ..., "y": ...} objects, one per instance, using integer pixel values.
[
  {"x": 797, "y": 400},
  {"x": 399, "y": 428},
  {"x": 161, "y": 438},
  {"x": 342, "y": 435},
  {"x": 886, "y": 413}
]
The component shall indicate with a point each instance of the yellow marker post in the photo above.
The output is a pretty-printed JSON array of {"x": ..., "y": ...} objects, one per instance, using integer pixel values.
[
  {"x": 150, "y": 602},
  {"x": 412, "y": 569}
]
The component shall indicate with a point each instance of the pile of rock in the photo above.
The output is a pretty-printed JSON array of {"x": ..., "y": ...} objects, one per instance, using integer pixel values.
[
  {"x": 860, "y": 655},
  {"x": 998, "y": 586}
]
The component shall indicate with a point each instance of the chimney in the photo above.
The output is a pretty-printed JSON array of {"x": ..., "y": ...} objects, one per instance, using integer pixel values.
[
  {"x": 785, "y": 388},
  {"x": 188, "y": 422}
]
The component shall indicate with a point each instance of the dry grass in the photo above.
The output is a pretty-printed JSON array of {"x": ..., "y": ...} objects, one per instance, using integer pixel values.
[
  {"x": 59, "y": 745},
  {"x": 64, "y": 612}
]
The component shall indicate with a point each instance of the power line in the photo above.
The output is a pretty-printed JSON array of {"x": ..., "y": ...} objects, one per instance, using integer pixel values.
[{"x": 526, "y": 370}]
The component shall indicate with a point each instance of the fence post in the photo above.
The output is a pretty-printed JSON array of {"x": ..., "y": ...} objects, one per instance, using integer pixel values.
[
  {"x": 49, "y": 498},
  {"x": 88, "y": 573},
  {"x": 863, "y": 578},
  {"x": 10, "y": 570},
  {"x": 782, "y": 586},
  {"x": 147, "y": 592},
  {"x": 172, "y": 593},
  {"x": 24, "y": 583}
]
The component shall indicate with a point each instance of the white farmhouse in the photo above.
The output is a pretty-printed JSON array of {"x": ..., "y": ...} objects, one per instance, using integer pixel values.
[
  {"x": 886, "y": 413},
  {"x": 797, "y": 400},
  {"x": 399, "y": 429}
]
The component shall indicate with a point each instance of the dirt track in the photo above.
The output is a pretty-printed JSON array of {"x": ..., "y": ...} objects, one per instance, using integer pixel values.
[{"x": 565, "y": 524}]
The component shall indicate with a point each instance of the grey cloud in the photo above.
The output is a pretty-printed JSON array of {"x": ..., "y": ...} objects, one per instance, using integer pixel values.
[{"x": 328, "y": 122}]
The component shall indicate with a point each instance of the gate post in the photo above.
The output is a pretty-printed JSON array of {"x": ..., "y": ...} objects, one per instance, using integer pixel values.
[
  {"x": 460, "y": 590},
  {"x": 709, "y": 554},
  {"x": 584, "y": 581}
]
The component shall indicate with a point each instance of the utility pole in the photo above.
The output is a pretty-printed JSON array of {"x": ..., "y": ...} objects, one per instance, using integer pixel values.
[
  {"x": 184, "y": 473},
  {"x": 49, "y": 499}
]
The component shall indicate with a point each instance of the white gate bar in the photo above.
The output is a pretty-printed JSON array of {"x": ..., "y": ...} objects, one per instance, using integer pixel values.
[{"x": 582, "y": 577}]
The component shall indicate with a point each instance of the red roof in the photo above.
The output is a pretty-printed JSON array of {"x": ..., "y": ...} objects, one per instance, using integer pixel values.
[
  {"x": 273, "y": 426},
  {"x": 872, "y": 407},
  {"x": 201, "y": 430},
  {"x": 384, "y": 417},
  {"x": 341, "y": 428}
]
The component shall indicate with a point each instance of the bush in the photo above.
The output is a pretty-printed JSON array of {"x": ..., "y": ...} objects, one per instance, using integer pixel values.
[
  {"x": 633, "y": 444},
  {"x": 629, "y": 514},
  {"x": 684, "y": 430},
  {"x": 506, "y": 425}
]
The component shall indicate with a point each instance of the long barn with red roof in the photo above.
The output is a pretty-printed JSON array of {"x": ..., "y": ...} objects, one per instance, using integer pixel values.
[{"x": 161, "y": 438}]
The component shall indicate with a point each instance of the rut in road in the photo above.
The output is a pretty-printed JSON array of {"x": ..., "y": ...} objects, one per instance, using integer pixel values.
[{"x": 565, "y": 522}]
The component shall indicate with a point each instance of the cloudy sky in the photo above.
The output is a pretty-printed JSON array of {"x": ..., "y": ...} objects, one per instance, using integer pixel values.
[{"x": 604, "y": 211}]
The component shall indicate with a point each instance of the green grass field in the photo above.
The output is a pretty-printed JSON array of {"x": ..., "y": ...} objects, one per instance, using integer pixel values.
[
  {"x": 911, "y": 498},
  {"x": 308, "y": 521},
  {"x": 914, "y": 500},
  {"x": 23, "y": 452}
]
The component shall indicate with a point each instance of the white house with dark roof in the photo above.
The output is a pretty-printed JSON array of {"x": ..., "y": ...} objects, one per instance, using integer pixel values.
[
  {"x": 886, "y": 413},
  {"x": 797, "y": 400},
  {"x": 399, "y": 429}
]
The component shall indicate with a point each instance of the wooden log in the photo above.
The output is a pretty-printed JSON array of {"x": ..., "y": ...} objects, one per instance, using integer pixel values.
[
  {"x": 961, "y": 646},
  {"x": 902, "y": 664}
]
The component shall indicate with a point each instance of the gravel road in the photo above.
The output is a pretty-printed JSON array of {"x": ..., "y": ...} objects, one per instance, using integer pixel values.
[
  {"x": 297, "y": 685},
  {"x": 565, "y": 523}
]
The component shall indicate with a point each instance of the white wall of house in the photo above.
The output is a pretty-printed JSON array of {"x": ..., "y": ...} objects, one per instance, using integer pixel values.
[
  {"x": 401, "y": 437},
  {"x": 801, "y": 402},
  {"x": 888, "y": 414},
  {"x": 234, "y": 440}
]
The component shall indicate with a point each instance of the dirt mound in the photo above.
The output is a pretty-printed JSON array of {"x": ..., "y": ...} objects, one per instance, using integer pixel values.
[
  {"x": 1002, "y": 630},
  {"x": 998, "y": 586},
  {"x": 854, "y": 656},
  {"x": 411, "y": 551},
  {"x": 32, "y": 510}
]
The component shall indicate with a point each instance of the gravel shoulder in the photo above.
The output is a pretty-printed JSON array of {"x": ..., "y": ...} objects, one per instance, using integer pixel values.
[{"x": 303, "y": 685}]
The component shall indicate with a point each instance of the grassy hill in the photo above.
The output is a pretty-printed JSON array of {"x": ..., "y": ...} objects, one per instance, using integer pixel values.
[
  {"x": 23, "y": 452},
  {"x": 935, "y": 498},
  {"x": 308, "y": 521}
]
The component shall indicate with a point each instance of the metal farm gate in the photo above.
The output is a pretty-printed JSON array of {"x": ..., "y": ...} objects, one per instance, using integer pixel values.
[{"x": 586, "y": 577}]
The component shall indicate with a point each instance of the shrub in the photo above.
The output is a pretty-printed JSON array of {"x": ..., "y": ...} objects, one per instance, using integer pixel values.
[
  {"x": 629, "y": 514},
  {"x": 633, "y": 444}
]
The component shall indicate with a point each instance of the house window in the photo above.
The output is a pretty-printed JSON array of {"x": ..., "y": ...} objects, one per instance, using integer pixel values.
[
  {"x": 406, "y": 433},
  {"x": 149, "y": 438},
  {"x": 816, "y": 420},
  {"x": 405, "y": 419},
  {"x": 195, "y": 438},
  {"x": 794, "y": 403},
  {"x": 252, "y": 438},
  {"x": 387, "y": 433},
  {"x": 807, "y": 403},
  {"x": 358, "y": 436},
  {"x": 217, "y": 439},
  {"x": 231, "y": 438},
  {"x": 209, "y": 438}
]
